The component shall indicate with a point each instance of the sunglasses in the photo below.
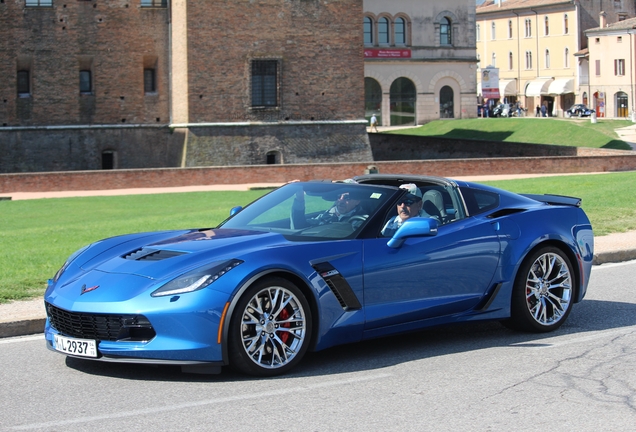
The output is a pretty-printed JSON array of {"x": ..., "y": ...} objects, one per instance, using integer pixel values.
[{"x": 408, "y": 202}]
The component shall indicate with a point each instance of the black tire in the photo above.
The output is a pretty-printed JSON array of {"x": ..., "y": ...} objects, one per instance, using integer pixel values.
[
  {"x": 543, "y": 293},
  {"x": 271, "y": 328}
]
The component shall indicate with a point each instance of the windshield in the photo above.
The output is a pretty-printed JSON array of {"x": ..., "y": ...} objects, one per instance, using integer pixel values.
[{"x": 314, "y": 210}]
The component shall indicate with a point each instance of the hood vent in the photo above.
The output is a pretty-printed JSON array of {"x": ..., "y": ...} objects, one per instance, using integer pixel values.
[{"x": 147, "y": 254}]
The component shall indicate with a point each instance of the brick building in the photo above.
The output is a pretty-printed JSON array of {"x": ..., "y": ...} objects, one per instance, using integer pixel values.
[{"x": 91, "y": 84}]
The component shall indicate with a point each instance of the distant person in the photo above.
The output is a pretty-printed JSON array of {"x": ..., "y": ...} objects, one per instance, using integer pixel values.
[
  {"x": 544, "y": 111},
  {"x": 538, "y": 112},
  {"x": 374, "y": 123}
]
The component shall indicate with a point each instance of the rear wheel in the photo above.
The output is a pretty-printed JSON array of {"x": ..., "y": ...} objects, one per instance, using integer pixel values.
[
  {"x": 543, "y": 291},
  {"x": 270, "y": 329}
]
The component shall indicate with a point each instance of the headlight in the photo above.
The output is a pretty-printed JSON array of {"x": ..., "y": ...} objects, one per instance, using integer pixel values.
[
  {"x": 68, "y": 263},
  {"x": 196, "y": 279}
]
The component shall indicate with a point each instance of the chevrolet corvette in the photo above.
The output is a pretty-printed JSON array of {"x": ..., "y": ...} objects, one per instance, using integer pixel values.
[{"x": 307, "y": 267}]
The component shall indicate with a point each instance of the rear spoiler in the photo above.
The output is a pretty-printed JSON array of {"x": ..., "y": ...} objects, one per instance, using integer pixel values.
[{"x": 555, "y": 199}]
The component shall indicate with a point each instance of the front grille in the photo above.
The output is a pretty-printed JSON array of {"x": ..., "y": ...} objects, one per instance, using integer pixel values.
[{"x": 100, "y": 327}]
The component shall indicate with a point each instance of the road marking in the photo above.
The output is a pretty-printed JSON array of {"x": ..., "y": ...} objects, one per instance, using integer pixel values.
[
  {"x": 194, "y": 404},
  {"x": 21, "y": 339},
  {"x": 612, "y": 265},
  {"x": 558, "y": 341}
]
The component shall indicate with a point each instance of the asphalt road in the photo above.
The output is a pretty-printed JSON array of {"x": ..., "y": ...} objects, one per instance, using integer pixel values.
[{"x": 476, "y": 377}]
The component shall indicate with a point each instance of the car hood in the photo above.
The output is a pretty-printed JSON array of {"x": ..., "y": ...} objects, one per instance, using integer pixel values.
[{"x": 179, "y": 253}]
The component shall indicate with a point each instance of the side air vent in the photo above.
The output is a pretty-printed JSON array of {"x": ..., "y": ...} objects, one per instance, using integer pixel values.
[
  {"x": 146, "y": 254},
  {"x": 505, "y": 212},
  {"x": 338, "y": 286}
]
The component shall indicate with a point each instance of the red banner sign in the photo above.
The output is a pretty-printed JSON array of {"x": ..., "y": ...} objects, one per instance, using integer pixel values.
[{"x": 387, "y": 53}]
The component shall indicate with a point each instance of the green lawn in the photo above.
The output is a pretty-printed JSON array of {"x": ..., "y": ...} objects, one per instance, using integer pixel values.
[
  {"x": 38, "y": 235},
  {"x": 566, "y": 132}
]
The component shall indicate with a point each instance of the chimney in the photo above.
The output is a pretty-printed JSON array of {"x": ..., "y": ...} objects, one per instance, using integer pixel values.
[{"x": 602, "y": 19}]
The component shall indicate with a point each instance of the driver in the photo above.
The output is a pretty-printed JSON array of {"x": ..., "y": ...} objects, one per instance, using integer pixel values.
[{"x": 345, "y": 207}]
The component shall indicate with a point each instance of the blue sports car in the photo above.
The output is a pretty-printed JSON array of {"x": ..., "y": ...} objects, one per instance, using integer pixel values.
[{"x": 315, "y": 264}]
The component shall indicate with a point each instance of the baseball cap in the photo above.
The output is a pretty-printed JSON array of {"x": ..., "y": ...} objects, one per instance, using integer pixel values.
[{"x": 412, "y": 189}]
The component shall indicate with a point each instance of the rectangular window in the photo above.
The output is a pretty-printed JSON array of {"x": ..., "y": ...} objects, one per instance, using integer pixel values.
[
  {"x": 150, "y": 84},
  {"x": 24, "y": 83},
  {"x": 264, "y": 83},
  {"x": 619, "y": 39},
  {"x": 38, "y": 3},
  {"x": 86, "y": 82},
  {"x": 597, "y": 66},
  {"x": 154, "y": 3},
  {"x": 619, "y": 67}
]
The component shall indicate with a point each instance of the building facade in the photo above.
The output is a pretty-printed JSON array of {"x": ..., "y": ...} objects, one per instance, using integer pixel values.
[
  {"x": 419, "y": 60},
  {"x": 540, "y": 48},
  {"x": 612, "y": 62},
  {"x": 95, "y": 84}
]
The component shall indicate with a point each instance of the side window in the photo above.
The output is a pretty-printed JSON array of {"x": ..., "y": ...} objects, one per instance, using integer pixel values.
[{"x": 479, "y": 201}]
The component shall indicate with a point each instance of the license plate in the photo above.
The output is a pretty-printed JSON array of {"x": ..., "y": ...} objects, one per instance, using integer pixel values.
[{"x": 76, "y": 347}]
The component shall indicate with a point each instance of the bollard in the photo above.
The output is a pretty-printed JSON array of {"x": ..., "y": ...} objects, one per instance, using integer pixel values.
[{"x": 593, "y": 117}]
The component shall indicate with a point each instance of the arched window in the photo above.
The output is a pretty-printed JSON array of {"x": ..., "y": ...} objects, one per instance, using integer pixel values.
[
  {"x": 383, "y": 31},
  {"x": 273, "y": 157},
  {"x": 528, "y": 59},
  {"x": 566, "y": 59},
  {"x": 368, "y": 31},
  {"x": 493, "y": 33},
  {"x": 510, "y": 63},
  {"x": 372, "y": 99},
  {"x": 528, "y": 23},
  {"x": 400, "y": 31},
  {"x": 446, "y": 103},
  {"x": 445, "y": 32},
  {"x": 478, "y": 32},
  {"x": 547, "y": 59},
  {"x": 493, "y": 61},
  {"x": 402, "y": 102},
  {"x": 566, "y": 25},
  {"x": 547, "y": 26},
  {"x": 509, "y": 29}
]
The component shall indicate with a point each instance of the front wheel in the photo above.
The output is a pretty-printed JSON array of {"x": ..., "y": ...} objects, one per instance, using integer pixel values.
[
  {"x": 543, "y": 291},
  {"x": 270, "y": 329}
]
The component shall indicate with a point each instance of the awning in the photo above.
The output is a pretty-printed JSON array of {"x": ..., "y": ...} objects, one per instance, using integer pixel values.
[
  {"x": 508, "y": 87},
  {"x": 561, "y": 86},
  {"x": 538, "y": 87}
]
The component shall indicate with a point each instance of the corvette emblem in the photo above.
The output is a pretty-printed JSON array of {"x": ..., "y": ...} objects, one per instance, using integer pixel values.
[{"x": 85, "y": 290}]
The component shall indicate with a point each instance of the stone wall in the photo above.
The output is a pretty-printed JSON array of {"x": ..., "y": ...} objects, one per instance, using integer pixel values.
[{"x": 386, "y": 147}]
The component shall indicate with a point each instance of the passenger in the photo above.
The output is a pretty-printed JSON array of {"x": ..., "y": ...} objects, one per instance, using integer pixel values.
[
  {"x": 410, "y": 205},
  {"x": 345, "y": 207}
]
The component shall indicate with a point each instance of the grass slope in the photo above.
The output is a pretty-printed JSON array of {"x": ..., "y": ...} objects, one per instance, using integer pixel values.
[{"x": 565, "y": 132}]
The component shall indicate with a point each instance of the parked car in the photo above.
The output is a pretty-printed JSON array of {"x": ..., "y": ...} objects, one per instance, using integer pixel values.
[
  {"x": 579, "y": 110},
  {"x": 503, "y": 110},
  {"x": 267, "y": 285}
]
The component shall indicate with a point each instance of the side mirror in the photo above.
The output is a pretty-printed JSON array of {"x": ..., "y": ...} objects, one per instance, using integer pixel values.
[
  {"x": 235, "y": 210},
  {"x": 414, "y": 227}
]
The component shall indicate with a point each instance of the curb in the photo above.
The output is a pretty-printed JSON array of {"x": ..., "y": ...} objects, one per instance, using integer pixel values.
[
  {"x": 36, "y": 325},
  {"x": 22, "y": 328}
]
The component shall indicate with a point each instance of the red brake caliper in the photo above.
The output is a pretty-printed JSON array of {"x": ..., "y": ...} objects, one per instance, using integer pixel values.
[{"x": 283, "y": 315}]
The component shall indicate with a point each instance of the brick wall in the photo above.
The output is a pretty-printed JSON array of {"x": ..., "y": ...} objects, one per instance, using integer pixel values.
[
  {"x": 318, "y": 44},
  {"x": 114, "y": 39},
  {"x": 172, "y": 177}
]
